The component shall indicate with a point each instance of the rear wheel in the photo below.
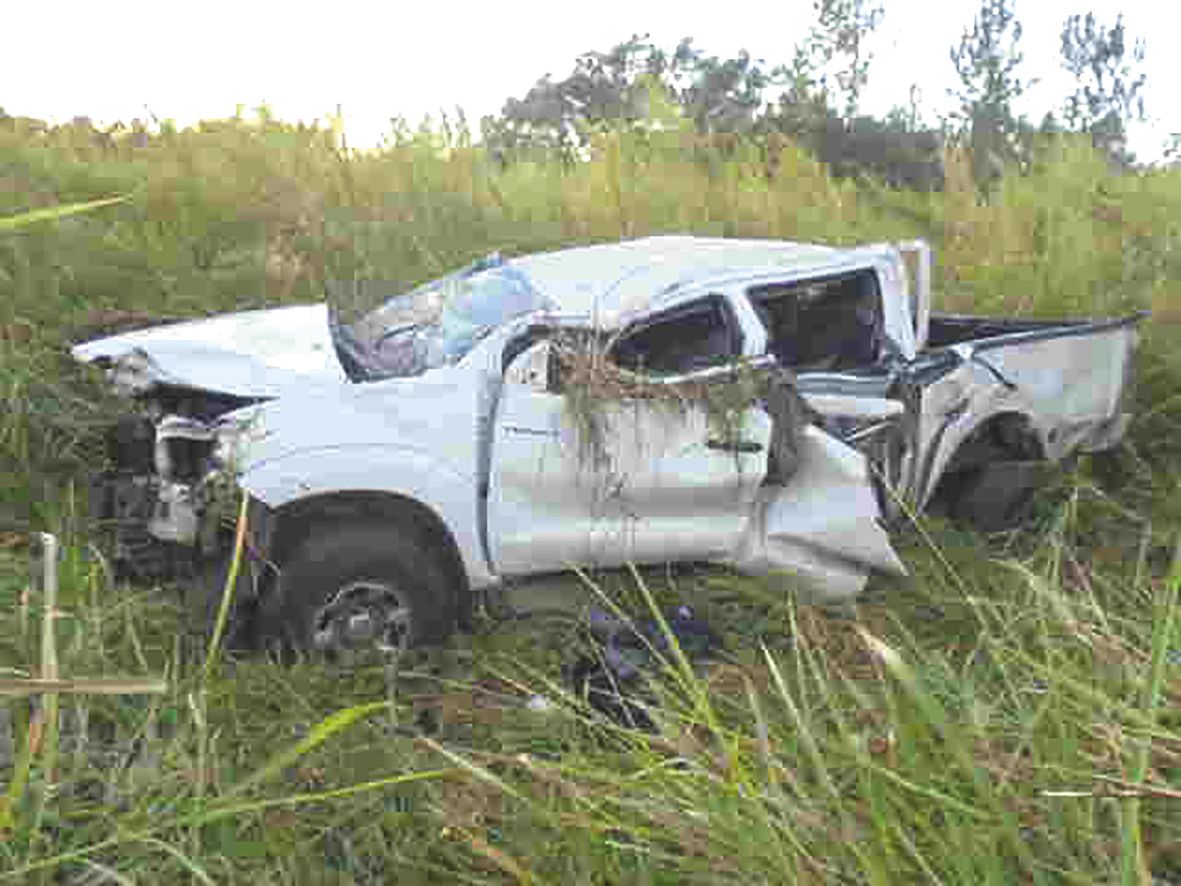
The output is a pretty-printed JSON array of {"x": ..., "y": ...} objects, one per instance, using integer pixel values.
[
  {"x": 998, "y": 496},
  {"x": 993, "y": 480},
  {"x": 360, "y": 587}
]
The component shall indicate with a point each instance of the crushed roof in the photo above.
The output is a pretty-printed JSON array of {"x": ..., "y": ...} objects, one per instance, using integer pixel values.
[{"x": 633, "y": 274}]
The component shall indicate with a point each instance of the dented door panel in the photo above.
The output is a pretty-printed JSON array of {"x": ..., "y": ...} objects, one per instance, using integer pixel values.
[{"x": 657, "y": 486}]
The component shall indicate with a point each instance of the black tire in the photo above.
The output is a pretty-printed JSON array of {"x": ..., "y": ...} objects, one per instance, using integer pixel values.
[
  {"x": 381, "y": 573},
  {"x": 998, "y": 496}
]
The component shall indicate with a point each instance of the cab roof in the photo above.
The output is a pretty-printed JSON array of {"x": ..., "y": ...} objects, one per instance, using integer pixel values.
[{"x": 638, "y": 274}]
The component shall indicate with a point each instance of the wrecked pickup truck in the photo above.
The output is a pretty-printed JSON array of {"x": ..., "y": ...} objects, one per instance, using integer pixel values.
[{"x": 400, "y": 466}]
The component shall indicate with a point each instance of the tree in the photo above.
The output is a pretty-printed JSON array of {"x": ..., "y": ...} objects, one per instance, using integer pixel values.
[
  {"x": 597, "y": 89},
  {"x": 638, "y": 84},
  {"x": 722, "y": 95},
  {"x": 1108, "y": 87},
  {"x": 1172, "y": 150},
  {"x": 826, "y": 75},
  {"x": 835, "y": 46},
  {"x": 986, "y": 61},
  {"x": 616, "y": 86},
  {"x": 908, "y": 117}
]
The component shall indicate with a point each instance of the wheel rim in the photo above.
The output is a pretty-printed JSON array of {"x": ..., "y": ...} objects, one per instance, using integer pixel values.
[{"x": 364, "y": 615}]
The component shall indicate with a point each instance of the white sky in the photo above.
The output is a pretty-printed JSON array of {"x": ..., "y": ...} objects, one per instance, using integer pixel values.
[{"x": 110, "y": 60}]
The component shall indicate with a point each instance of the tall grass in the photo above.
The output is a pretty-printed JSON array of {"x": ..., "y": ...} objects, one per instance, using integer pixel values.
[
  {"x": 1006, "y": 715},
  {"x": 955, "y": 731}
]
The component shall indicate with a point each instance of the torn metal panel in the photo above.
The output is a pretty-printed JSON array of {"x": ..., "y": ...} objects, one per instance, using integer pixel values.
[
  {"x": 1067, "y": 383},
  {"x": 822, "y": 526},
  {"x": 248, "y": 354}
]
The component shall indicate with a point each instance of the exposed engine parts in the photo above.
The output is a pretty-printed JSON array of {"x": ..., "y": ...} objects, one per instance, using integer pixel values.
[{"x": 155, "y": 496}]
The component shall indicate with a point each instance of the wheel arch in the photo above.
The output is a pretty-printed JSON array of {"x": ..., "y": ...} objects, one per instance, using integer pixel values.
[
  {"x": 1009, "y": 435},
  {"x": 291, "y": 523},
  {"x": 384, "y": 480}
]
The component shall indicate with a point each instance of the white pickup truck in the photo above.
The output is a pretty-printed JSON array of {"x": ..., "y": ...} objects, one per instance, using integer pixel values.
[{"x": 400, "y": 466}]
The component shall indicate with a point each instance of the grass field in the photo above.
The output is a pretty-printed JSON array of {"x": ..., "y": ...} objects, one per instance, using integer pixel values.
[{"x": 1009, "y": 714}]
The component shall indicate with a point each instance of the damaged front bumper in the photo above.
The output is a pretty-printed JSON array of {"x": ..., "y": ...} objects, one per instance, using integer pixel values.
[{"x": 169, "y": 495}]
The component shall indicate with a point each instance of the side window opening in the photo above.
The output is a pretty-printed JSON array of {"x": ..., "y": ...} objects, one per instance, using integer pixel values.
[
  {"x": 522, "y": 342},
  {"x": 687, "y": 339},
  {"x": 556, "y": 335},
  {"x": 830, "y": 324}
]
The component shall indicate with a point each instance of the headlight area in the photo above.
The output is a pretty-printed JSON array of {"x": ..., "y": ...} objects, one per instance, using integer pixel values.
[
  {"x": 170, "y": 497},
  {"x": 182, "y": 460},
  {"x": 132, "y": 374}
]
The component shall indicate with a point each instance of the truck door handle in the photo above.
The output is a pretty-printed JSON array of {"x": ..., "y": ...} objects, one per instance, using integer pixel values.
[
  {"x": 530, "y": 432},
  {"x": 734, "y": 446}
]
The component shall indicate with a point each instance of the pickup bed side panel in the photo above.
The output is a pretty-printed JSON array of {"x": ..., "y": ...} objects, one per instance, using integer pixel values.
[
  {"x": 1070, "y": 383},
  {"x": 1075, "y": 379},
  {"x": 397, "y": 470}
]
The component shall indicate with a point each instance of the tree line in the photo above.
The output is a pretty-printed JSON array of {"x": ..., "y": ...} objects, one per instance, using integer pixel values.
[{"x": 814, "y": 97}]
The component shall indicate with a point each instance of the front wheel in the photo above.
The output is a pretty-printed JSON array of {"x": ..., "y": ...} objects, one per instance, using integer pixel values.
[{"x": 357, "y": 587}]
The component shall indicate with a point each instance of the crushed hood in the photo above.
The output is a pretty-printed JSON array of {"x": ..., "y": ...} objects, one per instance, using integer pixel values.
[{"x": 247, "y": 354}]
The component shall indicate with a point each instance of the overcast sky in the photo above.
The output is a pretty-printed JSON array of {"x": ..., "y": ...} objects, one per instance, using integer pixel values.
[{"x": 111, "y": 60}]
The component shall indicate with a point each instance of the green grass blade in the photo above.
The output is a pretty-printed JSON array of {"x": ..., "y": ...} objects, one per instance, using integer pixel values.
[
  {"x": 54, "y": 213},
  {"x": 1133, "y": 865}
]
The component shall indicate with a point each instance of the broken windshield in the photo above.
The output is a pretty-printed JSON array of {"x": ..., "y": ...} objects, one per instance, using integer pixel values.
[{"x": 438, "y": 323}]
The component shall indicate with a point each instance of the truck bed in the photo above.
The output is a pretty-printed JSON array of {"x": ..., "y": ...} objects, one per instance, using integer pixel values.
[{"x": 954, "y": 329}]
